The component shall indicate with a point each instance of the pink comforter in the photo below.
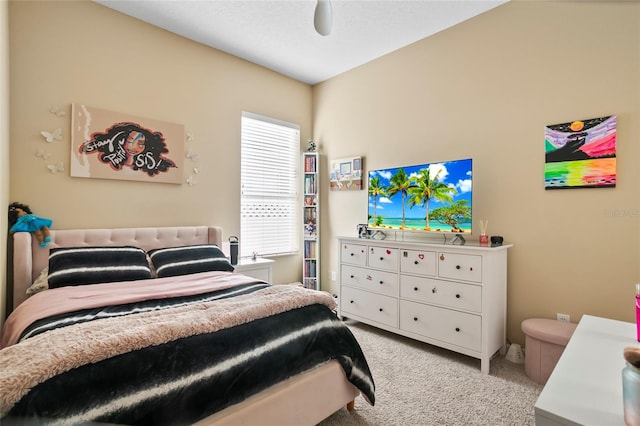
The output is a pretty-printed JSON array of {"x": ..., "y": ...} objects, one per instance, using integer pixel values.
[{"x": 69, "y": 299}]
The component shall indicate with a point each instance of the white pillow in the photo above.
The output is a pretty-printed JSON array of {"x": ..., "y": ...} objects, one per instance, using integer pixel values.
[{"x": 41, "y": 283}]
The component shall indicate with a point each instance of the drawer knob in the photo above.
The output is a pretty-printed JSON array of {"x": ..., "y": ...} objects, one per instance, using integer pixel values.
[
  {"x": 351, "y": 254},
  {"x": 415, "y": 289},
  {"x": 381, "y": 258},
  {"x": 434, "y": 290},
  {"x": 415, "y": 318},
  {"x": 457, "y": 266},
  {"x": 380, "y": 309},
  {"x": 351, "y": 301},
  {"x": 416, "y": 262},
  {"x": 381, "y": 282},
  {"x": 442, "y": 257},
  {"x": 352, "y": 276},
  {"x": 458, "y": 329},
  {"x": 457, "y": 296}
]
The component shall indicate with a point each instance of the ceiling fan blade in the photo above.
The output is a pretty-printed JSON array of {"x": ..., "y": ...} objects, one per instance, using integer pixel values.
[{"x": 323, "y": 17}]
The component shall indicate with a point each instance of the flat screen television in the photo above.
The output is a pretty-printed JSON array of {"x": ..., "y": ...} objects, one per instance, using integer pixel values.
[{"x": 433, "y": 197}]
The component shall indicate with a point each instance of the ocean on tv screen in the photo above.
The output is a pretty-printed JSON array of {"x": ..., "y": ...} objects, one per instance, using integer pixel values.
[{"x": 419, "y": 225}]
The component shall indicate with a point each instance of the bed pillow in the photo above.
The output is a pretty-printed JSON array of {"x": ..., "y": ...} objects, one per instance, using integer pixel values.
[
  {"x": 40, "y": 284},
  {"x": 92, "y": 265},
  {"x": 173, "y": 261}
]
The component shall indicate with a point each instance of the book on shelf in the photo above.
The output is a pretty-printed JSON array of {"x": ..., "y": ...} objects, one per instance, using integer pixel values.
[
  {"x": 310, "y": 283},
  {"x": 310, "y": 163},
  {"x": 310, "y": 215},
  {"x": 310, "y": 249},
  {"x": 310, "y": 184},
  {"x": 310, "y": 268}
]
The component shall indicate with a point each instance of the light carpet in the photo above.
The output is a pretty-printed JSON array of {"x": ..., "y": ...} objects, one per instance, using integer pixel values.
[{"x": 420, "y": 384}]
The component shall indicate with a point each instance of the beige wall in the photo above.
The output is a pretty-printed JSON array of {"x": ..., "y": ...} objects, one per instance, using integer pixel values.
[
  {"x": 485, "y": 89},
  {"x": 81, "y": 52},
  {"x": 4, "y": 147}
]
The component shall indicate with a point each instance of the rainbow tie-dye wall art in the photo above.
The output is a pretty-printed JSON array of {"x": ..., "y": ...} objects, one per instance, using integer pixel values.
[{"x": 581, "y": 154}]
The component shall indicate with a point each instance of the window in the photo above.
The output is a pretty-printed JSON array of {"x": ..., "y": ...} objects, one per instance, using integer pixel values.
[{"x": 269, "y": 168}]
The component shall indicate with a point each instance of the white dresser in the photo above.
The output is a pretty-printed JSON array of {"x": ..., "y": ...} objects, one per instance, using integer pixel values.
[{"x": 449, "y": 296}]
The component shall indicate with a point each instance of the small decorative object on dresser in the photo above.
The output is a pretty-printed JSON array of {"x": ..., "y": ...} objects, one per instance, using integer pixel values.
[
  {"x": 454, "y": 297},
  {"x": 483, "y": 239}
]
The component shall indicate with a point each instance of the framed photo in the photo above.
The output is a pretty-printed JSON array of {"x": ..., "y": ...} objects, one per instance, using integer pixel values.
[
  {"x": 346, "y": 174},
  {"x": 112, "y": 145}
]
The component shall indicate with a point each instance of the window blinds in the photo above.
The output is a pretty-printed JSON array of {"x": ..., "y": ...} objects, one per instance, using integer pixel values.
[{"x": 269, "y": 170}]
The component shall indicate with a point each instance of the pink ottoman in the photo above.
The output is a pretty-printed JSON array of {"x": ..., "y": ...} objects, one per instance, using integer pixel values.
[{"x": 545, "y": 342}]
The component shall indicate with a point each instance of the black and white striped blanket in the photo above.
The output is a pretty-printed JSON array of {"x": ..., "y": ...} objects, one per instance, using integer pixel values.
[{"x": 174, "y": 373}]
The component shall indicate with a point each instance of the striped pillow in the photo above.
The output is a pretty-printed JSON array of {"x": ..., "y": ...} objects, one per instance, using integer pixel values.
[
  {"x": 92, "y": 265},
  {"x": 173, "y": 261}
]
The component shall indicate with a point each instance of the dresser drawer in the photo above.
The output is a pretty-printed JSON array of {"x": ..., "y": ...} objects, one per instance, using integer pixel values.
[
  {"x": 371, "y": 280},
  {"x": 466, "y": 267},
  {"x": 383, "y": 258},
  {"x": 466, "y": 297},
  {"x": 453, "y": 327},
  {"x": 354, "y": 254},
  {"x": 376, "y": 307},
  {"x": 418, "y": 262}
]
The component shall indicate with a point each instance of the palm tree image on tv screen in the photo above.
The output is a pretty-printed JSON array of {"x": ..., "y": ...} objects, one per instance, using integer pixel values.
[{"x": 433, "y": 197}]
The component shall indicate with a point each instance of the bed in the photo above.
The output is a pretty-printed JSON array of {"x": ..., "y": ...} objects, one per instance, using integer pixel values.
[{"x": 179, "y": 347}]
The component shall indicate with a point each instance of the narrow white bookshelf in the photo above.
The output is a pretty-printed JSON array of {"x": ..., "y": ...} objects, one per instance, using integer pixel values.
[{"x": 311, "y": 221}]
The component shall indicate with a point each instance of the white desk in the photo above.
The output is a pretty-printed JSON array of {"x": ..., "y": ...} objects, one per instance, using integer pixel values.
[{"x": 585, "y": 387}]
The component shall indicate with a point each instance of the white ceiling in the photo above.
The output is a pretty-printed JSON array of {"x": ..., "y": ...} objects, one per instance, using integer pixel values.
[{"x": 279, "y": 34}]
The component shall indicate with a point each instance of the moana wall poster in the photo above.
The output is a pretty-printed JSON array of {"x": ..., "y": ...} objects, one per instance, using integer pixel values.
[{"x": 112, "y": 145}]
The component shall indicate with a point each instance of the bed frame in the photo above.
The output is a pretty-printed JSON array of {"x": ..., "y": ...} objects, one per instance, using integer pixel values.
[{"x": 305, "y": 399}]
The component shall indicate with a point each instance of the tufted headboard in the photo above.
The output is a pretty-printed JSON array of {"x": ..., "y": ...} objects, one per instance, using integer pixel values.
[{"x": 29, "y": 259}]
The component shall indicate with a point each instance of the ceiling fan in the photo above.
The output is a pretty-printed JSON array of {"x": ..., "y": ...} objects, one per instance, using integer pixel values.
[{"x": 323, "y": 17}]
